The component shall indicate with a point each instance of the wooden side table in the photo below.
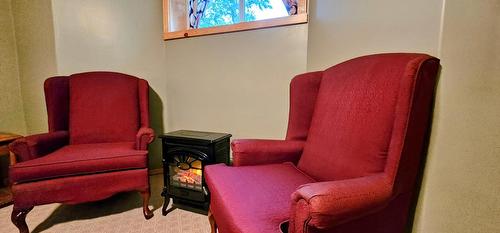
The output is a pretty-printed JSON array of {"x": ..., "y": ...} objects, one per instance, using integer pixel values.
[{"x": 5, "y": 194}]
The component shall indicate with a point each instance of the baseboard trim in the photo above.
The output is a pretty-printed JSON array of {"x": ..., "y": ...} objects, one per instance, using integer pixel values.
[{"x": 155, "y": 171}]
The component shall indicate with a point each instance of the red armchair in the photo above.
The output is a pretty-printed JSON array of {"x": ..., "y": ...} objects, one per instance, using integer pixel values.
[
  {"x": 350, "y": 159},
  {"x": 96, "y": 145}
]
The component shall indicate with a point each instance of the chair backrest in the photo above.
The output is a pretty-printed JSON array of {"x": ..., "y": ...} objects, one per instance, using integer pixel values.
[
  {"x": 353, "y": 124},
  {"x": 97, "y": 107}
]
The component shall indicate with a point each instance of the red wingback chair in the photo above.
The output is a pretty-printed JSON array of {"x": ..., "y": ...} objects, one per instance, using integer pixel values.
[
  {"x": 349, "y": 162},
  {"x": 96, "y": 145}
]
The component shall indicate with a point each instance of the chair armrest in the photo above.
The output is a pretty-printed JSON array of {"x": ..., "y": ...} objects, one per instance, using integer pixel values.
[
  {"x": 143, "y": 138},
  {"x": 38, "y": 145},
  {"x": 324, "y": 205},
  {"x": 258, "y": 151}
]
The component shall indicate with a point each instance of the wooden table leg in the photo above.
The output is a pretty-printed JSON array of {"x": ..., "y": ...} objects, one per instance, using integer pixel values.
[
  {"x": 5, "y": 192},
  {"x": 5, "y": 197}
]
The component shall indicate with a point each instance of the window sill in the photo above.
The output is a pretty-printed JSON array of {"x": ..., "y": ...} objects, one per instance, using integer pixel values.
[{"x": 289, "y": 20}]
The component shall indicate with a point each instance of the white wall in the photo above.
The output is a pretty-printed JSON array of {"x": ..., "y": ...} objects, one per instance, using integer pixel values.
[
  {"x": 115, "y": 35},
  {"x": 461, "y": 187},
  {"x": 235, "y": 83},
  {"x": 11, "y": 104},
  {"x": 344, "y": 29},
  {"x": 238, "y": 82},
  {"x": 36, "y": 57}
]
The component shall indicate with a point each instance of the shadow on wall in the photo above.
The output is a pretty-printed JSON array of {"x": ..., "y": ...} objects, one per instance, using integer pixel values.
[
  {"x": 156, "y": 119},
  {"x": 423, "y": 161}
]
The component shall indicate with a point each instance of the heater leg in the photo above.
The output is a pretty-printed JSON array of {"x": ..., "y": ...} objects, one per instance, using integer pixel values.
[{"x": 164, "y": 211}]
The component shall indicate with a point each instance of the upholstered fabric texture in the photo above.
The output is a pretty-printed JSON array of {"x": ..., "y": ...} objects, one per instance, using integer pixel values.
[
  {"x": 303, "y": 93},
  {"x": 254, "y": 152},
  {"x": 79, "y": 189},
  {"x": 57, "y": 101},
  {"x": 143, "y": 138},
  {"x": 353, "y": 119},
  {"x": 96, "y": 145},
  {"x": 103, "y": 108},
  {"x": 361, "y": 126},
  {"x": 252, "y": 198},
  {"x": 80, "y": 159},
  {"x": 34, "y": 146}
]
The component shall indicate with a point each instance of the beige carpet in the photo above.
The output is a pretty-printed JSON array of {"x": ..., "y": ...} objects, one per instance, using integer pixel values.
[{"x": 121, "y": 213}]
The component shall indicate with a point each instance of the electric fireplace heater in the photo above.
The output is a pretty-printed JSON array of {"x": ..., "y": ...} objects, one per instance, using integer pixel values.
[
  {"x": 185, "y": 153},
  {"x": 186, "y": 171}
]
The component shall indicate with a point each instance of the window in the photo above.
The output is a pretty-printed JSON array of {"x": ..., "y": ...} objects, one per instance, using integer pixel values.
[{"x": 188, "y": 18}]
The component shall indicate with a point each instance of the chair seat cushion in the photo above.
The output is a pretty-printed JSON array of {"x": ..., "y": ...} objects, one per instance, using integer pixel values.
[
  {"x": 252, "y": 199},
  {"x": 73, "y": 160}
]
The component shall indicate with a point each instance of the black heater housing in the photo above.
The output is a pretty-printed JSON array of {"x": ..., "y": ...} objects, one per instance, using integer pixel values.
[{"x": 185, "y": 154}]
